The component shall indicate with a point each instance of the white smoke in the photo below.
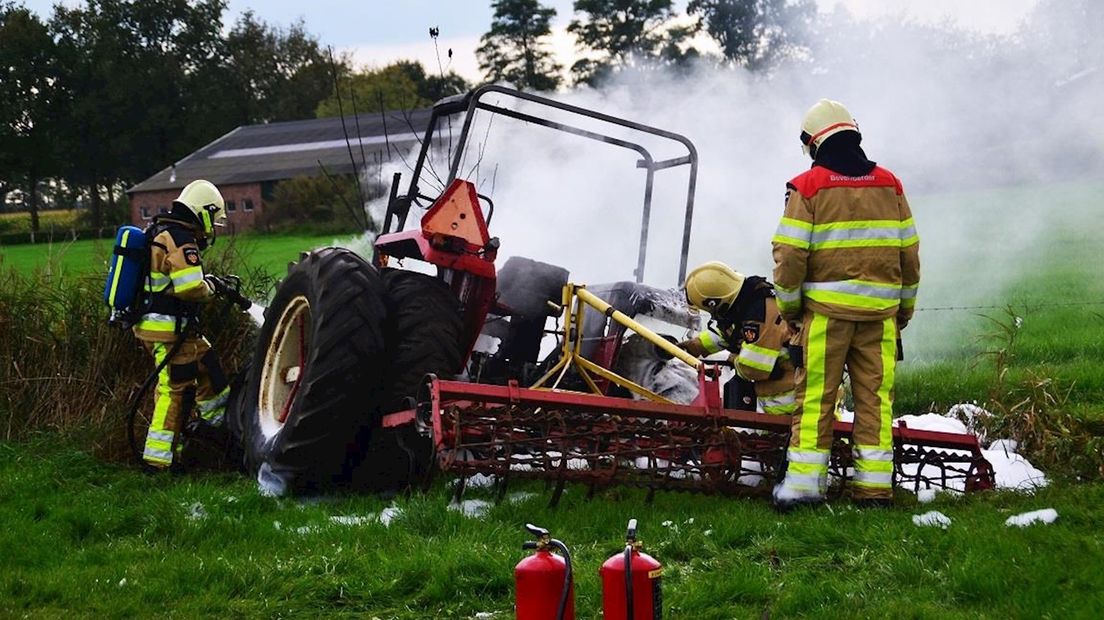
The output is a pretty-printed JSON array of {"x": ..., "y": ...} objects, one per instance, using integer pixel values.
[{"x": 953, "y": 114}]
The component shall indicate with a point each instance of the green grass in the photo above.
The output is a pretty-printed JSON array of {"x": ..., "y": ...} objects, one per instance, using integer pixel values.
[
  {"x": 75, "y": 527},
  {"x": 93, "y": 539},
  {"x": 1048, "y": 269},
  {"x": 269, "y": 252}
]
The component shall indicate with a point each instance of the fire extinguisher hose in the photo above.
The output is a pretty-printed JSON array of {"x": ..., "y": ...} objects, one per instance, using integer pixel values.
[
  {"x": 567, "y": 577},
  {"x": 628, "y": 582}
]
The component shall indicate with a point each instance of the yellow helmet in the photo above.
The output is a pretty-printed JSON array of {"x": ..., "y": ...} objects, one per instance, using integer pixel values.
[
  {"x": 204, "y": 200},
  {"x": 826, "y": 118},
  {"x": 713, "y": 287}
]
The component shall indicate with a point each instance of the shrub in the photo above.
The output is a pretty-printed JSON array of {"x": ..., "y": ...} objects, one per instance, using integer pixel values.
[
  {"x": 1036, "y": 411},
  {"x": 62, "y": 368}
]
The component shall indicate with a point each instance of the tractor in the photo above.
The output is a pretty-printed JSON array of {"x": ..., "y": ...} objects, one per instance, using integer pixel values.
[{"x": 369, "y": 374}]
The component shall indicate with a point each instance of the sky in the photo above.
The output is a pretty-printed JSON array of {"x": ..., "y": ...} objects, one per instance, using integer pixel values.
[{"x": 377, "y": 32}]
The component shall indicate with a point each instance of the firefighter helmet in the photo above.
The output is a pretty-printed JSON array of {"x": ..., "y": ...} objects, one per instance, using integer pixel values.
[
  {"x": 713, "y": 287},
  {"x": 826, "y": 118},
  {"x": 205, "y": 202}
]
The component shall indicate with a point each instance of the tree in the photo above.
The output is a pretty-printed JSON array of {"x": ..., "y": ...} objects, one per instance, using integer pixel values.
[
  {"x": 133, "y": 89},
  {"x": 275, "y": 74},
  {"x": 402, "y": 85},
  {"x": 619, "y": 33},
  {"x": 756, "y": 34},
  {"x": 315, "y": 203},
  {"x": 28, "y": 105},
  {"x": 513, "y": 49}
]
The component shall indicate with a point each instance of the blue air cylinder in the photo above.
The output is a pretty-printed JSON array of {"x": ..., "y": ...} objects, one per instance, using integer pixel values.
[{"x": 126, "y": 272}]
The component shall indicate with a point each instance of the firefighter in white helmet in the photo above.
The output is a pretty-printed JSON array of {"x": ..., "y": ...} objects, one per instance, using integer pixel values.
[
  {"x": 192, "y": 376},
  {"x": 847, "y": 268},
  {"x": 745, "y": 321}
]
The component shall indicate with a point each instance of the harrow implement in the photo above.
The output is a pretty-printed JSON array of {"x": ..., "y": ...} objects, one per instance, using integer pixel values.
[{"x": 562, "y": 436}]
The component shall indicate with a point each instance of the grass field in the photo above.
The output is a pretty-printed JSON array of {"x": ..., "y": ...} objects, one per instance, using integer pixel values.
[
  {"x": 99, "y": 540},
  {"x": 87, "y": 538},
  {"x": 269, "y": 252}
]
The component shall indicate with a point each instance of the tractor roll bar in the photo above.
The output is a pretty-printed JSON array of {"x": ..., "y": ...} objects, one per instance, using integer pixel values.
[{"x": 472, "y": 102}]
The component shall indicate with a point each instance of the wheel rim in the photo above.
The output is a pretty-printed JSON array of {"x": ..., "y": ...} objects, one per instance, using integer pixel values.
[{"x": 285, "y": 366}]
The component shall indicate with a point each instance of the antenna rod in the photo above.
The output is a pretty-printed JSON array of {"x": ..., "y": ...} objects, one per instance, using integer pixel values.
[
  {"x": 383, "y": 116},
  {"x": 348, "y": 144}
]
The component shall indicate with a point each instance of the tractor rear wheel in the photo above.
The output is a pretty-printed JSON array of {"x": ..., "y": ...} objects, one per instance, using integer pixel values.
[
  {"x": 423, "y": 331},
  {"x": 315, "y": 379}
]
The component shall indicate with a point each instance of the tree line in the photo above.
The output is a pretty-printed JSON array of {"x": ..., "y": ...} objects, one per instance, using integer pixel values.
[
  {"x": 612, "y": 35},
  {"x": 97, "y": 97}
]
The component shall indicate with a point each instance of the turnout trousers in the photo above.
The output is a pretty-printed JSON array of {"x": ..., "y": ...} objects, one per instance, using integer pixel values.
[
  {"x": 193, "y": 379},
  {"x": 868, "y": 349}
]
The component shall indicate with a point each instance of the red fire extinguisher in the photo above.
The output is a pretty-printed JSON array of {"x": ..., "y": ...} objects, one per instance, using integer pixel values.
[
  {"x": 631, "y": 583},
  {"x": 545, "y": 589}
]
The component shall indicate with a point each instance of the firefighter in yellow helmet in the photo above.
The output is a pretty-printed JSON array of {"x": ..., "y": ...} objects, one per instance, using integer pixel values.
[
  {"x": 192, "y": 375},
  {"x": 847, "y": 268},
  {"x": 745, "y": 320}
]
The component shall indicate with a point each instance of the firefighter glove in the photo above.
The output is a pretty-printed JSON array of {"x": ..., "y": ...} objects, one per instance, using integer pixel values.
[{"x": 217, "y": 284}]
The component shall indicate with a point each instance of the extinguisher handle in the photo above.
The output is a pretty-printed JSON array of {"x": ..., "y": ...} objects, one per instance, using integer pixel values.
[{"x": 539, "y": 532}]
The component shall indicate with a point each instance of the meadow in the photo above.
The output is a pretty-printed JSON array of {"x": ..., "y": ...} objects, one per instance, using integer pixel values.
[{"x": 1011, "y": 316}]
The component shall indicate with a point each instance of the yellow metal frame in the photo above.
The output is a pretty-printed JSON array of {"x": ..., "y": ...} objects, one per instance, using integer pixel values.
[{"x": 574, "y": 302}]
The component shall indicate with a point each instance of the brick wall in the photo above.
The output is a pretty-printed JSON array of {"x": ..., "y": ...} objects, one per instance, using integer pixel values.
[{"x": 145, "y": 205}]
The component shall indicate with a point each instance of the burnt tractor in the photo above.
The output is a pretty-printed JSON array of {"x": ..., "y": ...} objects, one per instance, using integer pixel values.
[{"x": 371, "y": 376}]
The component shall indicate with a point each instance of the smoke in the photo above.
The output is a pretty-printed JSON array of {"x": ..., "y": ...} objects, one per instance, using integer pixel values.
[{"x": 977, "y": 127}]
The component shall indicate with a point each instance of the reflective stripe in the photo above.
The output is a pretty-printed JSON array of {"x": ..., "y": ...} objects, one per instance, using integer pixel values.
[
  {"x": 873, "y": 479},
  {"x": 908, "y": 295},
  {"x": 157, "y": 456},
  {"x": 885, "y": 387},
  {"x": 873, "y": 454},
  {"x": 760, "y": 358},
  {"x": 118, "y": 271},
  {"x": 856, "y": 238},
  {"x": 159, "y": 439},
  {"x": 188, "y": 278},
  {"x": 908, "y": 233},
  {"x": 213, "y": 410},
  {"x": 215, "y": 403},
  {"x": 158, "y": 283},
  {"x": 712, "y": 342},
  {"x": 857, "y": 287},
  {"x": 804, "y": 484},
  {"x": 160, "y": 322},
  {"x": 855, "y": 293},
  {"x": 793, "y": 232},
  {"x": 812, "y": 457},
  {"x": 778, "y": 403},
  {"x": 789, "y": 300},
  {"x": 814, "y": 382},
  {"x": 159, "y": 435}
]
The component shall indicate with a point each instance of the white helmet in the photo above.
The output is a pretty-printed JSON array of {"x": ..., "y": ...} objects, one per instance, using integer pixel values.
[
  {"x": 826, "y": 118},
  {"x": 204, "y": 200}
]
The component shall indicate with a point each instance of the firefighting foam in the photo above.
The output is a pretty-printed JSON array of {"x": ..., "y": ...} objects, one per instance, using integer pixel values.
[{"x": 946, "y": 127}]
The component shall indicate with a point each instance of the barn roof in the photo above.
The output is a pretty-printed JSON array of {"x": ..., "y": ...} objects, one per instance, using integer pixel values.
[{"x": 275, "y": 151}]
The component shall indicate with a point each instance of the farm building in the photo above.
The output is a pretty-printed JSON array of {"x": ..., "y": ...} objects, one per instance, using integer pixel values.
[{"x": 247, "y": 163}]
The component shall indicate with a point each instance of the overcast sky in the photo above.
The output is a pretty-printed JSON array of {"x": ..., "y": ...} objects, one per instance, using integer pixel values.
[{"x": 379, "y": 31}]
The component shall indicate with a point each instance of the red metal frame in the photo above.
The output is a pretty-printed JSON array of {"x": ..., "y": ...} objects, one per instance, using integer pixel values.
[{"x": 512, "y": 431}]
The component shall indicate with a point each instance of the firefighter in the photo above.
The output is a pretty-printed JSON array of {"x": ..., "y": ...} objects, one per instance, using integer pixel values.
[
  {"x": 847, "y": 268},
  {"x": 192, "y": 376},
  {"x": 748, "y": 324}
]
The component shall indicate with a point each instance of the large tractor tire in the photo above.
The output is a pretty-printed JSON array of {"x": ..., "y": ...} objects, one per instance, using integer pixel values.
[
  {"x": 316, "y": 376},
  {"x": 423, "y": 333}
]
